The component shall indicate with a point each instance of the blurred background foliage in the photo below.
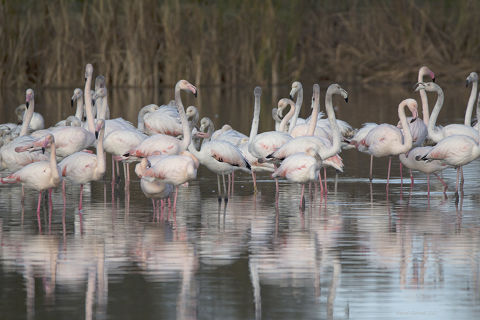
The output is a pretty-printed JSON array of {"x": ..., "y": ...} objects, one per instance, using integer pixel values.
[{"x": 233, "y": 42}]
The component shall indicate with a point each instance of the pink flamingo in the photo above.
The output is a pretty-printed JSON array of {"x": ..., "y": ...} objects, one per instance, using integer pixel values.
[
  {"x": 173, "y": 169},
  {"x": 162, "y": 143},
  {"x": 300, "y": 168},
  {"x": 83, "y": 167},
  {"x": 388, "y": 140},
  {"x": 40, "y": 175},
  {"x": 409, "y": 160},
  {"x": 327, "y": 150},
  {"x": 152, "y": 188}
]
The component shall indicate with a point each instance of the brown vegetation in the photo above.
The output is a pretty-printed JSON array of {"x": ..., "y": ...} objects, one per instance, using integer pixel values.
[{"x": 154, "y": 43}]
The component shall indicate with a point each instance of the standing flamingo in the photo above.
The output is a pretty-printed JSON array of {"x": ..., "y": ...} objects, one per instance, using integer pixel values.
[
  {"x": 387, "y": 140},
  {"x": 83, "y": 167},
  {"x": 471, "y": 79},
  {"x": 301, "y": 168},
  {"x": 40, "y": 175},
  {"x": 162, "y": 143},
  {"x": 152, "y": 188}
]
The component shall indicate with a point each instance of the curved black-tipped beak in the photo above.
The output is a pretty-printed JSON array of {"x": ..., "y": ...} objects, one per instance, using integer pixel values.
[
  {"x": 467, "y": 83},
  {"x": 346, "y": 99},
  {"x": 196, "y": 93},
  {"x": 413, "y": 120},
  {"x": 43, "y": 150},
  {"x": 433, "y": 79},
  {"x": 85, "y": 79},
  {"x": 96, "y": 134},
  {"x": 27, "y": 104},
  {"x": 291, "y": 97},
  {"x": 71, "y": 103},
  {"x": 93, "y": 102}
]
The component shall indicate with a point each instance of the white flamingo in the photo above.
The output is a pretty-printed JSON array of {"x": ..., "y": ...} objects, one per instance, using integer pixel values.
[
  {"x": 83, "y": 167},
  {"x": 152, "y": 188},
  {"x": 37, "y": 122}
]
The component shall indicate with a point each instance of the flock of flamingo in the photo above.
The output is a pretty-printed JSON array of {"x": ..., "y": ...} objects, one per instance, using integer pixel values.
[{"x": 168, "y": 146}]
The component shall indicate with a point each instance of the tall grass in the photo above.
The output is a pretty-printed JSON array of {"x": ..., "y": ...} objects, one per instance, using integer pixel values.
[{"x": 229, "y": 42}]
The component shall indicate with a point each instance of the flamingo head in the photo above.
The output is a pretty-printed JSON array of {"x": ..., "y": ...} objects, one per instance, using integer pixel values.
[
  {"x": 428, "y": 86},
  {"x": 185, "y": 85},
  {"x": 472, "y": 77},
  {"x": 28, "y": 97},
  {"x": 100, "y": 93},
  {"x": 191, "y": 112},
  {"x": 282, "y": 104},
  {"x": 99, "y": 82},
  {"x": 337, "y": 89},
  {"x": 205, "y": 123},
  {"x": 88, "y": 71},
  {"x": 142, "y": 166},
  {"x": 257, "y": 92},
  {"x": 99, "y": 127},
  {"x": 296, "y": 86},
  {"x": 77, "y": 94},
  {"x": 334, "y": 162},
  {"x": 425, "y": 71}
]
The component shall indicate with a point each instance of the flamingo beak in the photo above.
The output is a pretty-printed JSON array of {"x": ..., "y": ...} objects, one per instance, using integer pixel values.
[
  {"x": 433, "y": 79},
  {"x": 413, "y": 120},
  {"x": 467, "y": 83},
  {"x": 291, "y": 97},
  {"x": 43, "y": 150},
  {"x": 27, "y": 104},
  {"x": 71, "y": 103},
  {"x": 346, "y": 99}
]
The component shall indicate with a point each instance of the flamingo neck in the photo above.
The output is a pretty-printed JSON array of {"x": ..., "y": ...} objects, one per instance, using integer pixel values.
[
  {"x": 79, "y": 111},
  {"x": 88, "y": 105},
  {"x": 53, "y": 162},
  {"x": 335, "y": 147},
  {"x": 471, "y": 102},
  {"x": 313, "y": 119},
  {"x": 255, "y": 120},
  {"x": 288, "y": 116},
  {"x": 478, "y": 109},
  {"x": 27, "y": 117},
  {"x": 101, "y": 161},
  {"x": 424, "y": 99},
  {"x": 407, "y": 135},
  {"x": 102, "y": 110},
  {"x": 433, "y": 133},
  {"x": 187, "y": 134},
  {"x": 298, "y": 106}
]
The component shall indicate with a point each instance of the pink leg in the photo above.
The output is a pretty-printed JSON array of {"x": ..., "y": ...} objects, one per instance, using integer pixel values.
[
  {"x": 233, "y": 180},
  {"x": 229, "y": 184},
  {"x": 118, "y": 169},
  {"x": 81, "y": 198},
  {"x": 462, "y": 180},
  {"x": 113, "y": 171},
  {"x": 23, "y": 194},
  {"x": 428, "y": 185},
  {"x": 301, "y": 196},
  {"x": 445, "y": 187},
  {"x": 38, "y": 211},
  {"x": 153, "y": 203},
  {"x": 254, "y": 182},
  {"x": 401, "y": 177},
  {"x": 169, "y": 202},
  {"x": 175, "y": 200},
  {"x": 321, "y": 183},
  {"x": 411, "y": 177},
  {"x": 325, "y": 179},
  {"x": 371, "y": 168},
  {"x": 388, "y": 173},
  {"x": 127, "y": 182}
]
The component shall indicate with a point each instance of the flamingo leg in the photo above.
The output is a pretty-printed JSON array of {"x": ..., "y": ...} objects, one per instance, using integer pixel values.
[
  {"x": 229, "y": 184},
  {"x": 445, "y": 187},
  {"x": 325, "y": 179},
  {"x": 371, "y": 168},
  {"x": 301, "y": 197},
  {"x": 219, "y": 191},
  {"x": 428, "y": 185},
  {"x": 254, "y": 182},
  {"x": 153, "y": 202},
  {"x": 401, "y": 177},
  {"x": 113, "y": 171},
  {"x": 321, "y": 183},
  {"x": 388, "y": 172},
  {"x": 456, "y": 186},
  {"x": 38, "y": 211},
  {"x": 127, "y": 178},
  {"x": 233, "y": 180},
  {"x": 462, "y": 180},
  {"x": 224, "y": 188},
  {"x": 118, "y": 169},
  {"x": 175, "y": 199},
  {"x": 81, "y": 198},
  {"x": 23, "y": 194}
]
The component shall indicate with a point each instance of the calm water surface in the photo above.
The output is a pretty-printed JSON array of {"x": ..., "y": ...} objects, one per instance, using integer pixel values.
[{"x": 356, "y": 254}]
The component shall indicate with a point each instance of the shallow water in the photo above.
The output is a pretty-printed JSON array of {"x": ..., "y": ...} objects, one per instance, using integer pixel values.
[{"x": 356, "y": 254}]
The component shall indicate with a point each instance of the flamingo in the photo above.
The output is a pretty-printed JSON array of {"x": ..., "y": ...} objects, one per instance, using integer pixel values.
[
  {"x": 110, "y": 124},
  {"x": 297, "y": 89},
  {"x": 409, "y": 160},
  {"x": 103, "y": 111},
  {"x": 37, "y": 122},
  {"x": 473, "y": 79},
  {"x": 388, "y": 140},
  {"x": 173, "y": 169},
  {"x": 301, "y": 167},
  {"x": 83, "y": 167},
  {"x": 40, "y": 175},
  {"x": 152, "y": 188},
  {"x": 166, "y": 120},
  {"x": 162, "y": 143},
  {"x": 77, "y": 97},
  {"x": 12, "y": 160},
  {"x": 327, "y": 150}
]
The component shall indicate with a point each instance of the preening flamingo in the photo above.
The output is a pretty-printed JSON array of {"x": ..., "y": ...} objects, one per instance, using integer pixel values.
[
  {"x": 388, "y": 140},
  {"x": 83, "y": 167},
  {"x": 300, "y": 168},
  {"x": 152, "y": 188},
  {"x": 37, "y": 122},
  {"x": 40, "y": 175},
  {"x": 165, "y": 144}
]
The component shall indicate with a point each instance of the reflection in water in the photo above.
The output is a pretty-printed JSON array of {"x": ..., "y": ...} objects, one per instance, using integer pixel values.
[{"x": 354, "y": 254}]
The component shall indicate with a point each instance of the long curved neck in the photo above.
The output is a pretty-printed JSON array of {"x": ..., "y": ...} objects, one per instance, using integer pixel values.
[
  {"x": 88, "y": 105},
  {"x": 101, "y": 161},
  {"x": 255, "y": 120},
  {"x": 288, "y": 116},
  {"x": 424, "y": 99},
  {"x": 471, "y": 102},
  {"x": 141, "y": 117},
  {"x": 79, "y": 111},
  {"x": 198, "y": 154},
  {"x": 298, "y": 106},
  {"x": 102, "y": 110},
  {"x": 335, "y": 148},
  {"x": 313, "y": 122},
  {"x": 407, "y": 135},
  {"x": 432, "y": 132},
  {"x": 53, "y": 161},
  {"x": 27, "y": 117},
  {"x": 478, "y": 109},
  {"x": 187, "y": 134}
]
